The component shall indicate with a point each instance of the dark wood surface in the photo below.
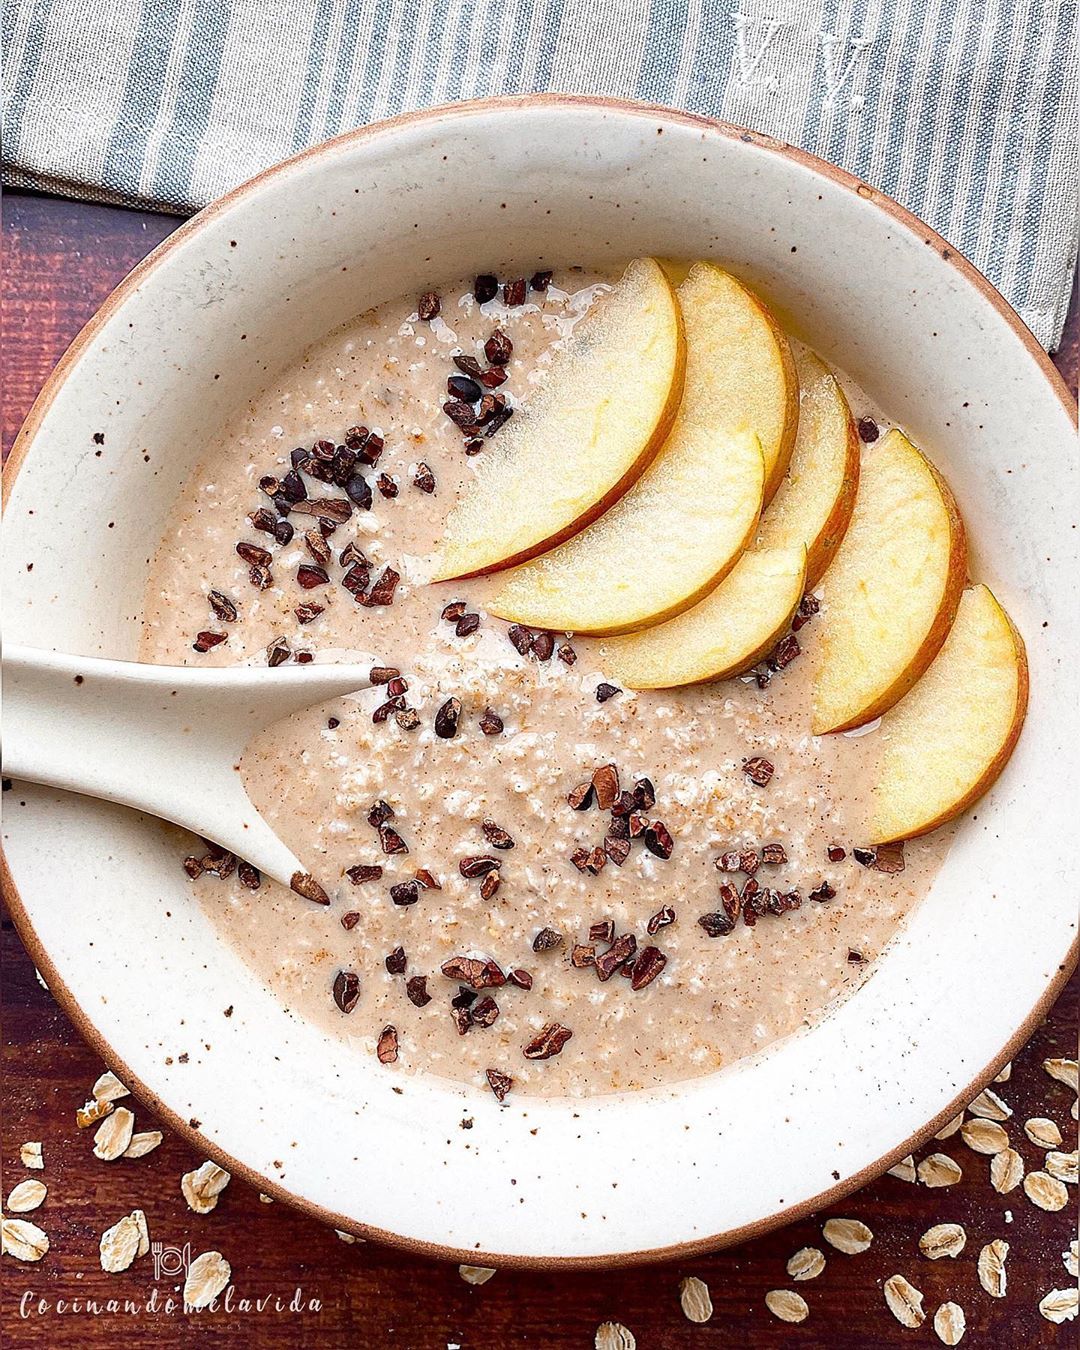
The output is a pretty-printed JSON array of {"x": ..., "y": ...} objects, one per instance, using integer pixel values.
[{"x": 62, "y": 258}]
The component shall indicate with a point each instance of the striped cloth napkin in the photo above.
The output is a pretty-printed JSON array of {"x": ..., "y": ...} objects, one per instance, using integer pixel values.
[{"x": 964, "y": 110}]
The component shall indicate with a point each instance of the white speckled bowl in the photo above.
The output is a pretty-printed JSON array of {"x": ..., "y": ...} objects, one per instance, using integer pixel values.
[{"x": 102, "y": 905}]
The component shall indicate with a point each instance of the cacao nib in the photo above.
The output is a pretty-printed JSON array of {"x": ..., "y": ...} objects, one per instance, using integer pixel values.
[
  {"x": 785, "y": 651},
  {"x": 283, "y": 532},
  {"x": 716, "y": 924},
  {"x": 383, "y": 711},
  {"x": 581, "y": 797},
  {"x": 773, "y": 855},
  {"x": 424, "y": 478},
  {"x": 604, "y": 931},
  {"x": 278, "y": 652},
  {"x": 624, "y": 805},
  {"x": 659, "y": 920},
  {"x": 462, "y": 1019},
  {"x": 521, "y": 978},
  {"x": 496, "y": 836},
  {"x": 387, "y": 485},
  {"x": 307, "y": 611},
  {"x": 379, "y": 813},
  {"x": 383, "y": 674},
  {"x": 316, "y": 545},
  {"x": 731, "y": 901},
  {"x": 644, "y": 794},
  {"x": 405, "y": 893},
  {"x": 292, "y": 487},
  {"x": 728, "y": 861},
  {"x": 490, "y": 885},
  {"x": 193, "y": 867},
  {"x": 605, "y": 781},
  {"x": 363, "y": 872},
  {"x": 491, "y": 724},
  {"x": 748, "y": 862},
  {"x": 836, "y": 853},
  {"x": 460, "y": 413},
  {"x": 222, "y": 606},
  {"x": 485, "y": 287},
  {"x": 658, "y": 840},
  {"x": 446, "y": 719},
  {"x": 758, "y": 770},
  {"x": 547, "y": 940},
  {"x": 428, "y": 880},
  {"x": 303, "y": 883},
  {"x": 566, "y": 654},
  {"x": 499, "y": 420},
  {"x": 253, "y": 555},
  {"x": 500, "y": 1083},
  {"x": 618, "y": 850},
  {"x": 464, "y": 998},
  {"x": 808, "y": 607},
  {"x": 391, "y": 841},
  {"x": 478, "y": 866},
  {"x": 790, "y": 900},
  {"x": 355, "y": 438},
  {"x": 580, "y": 859},
  {"x": 548, "y": 1041},
  {"x": 351, "y": 554},
  {"x": 869, "y": 430},
  {"x": 350, "y": 919},
  {"x": 493, "y": 377},
  {"x": 514, "y": 292},
  {"x": 263, "y": 520},
  {"x": 604, "y": 691},
  {"x": 371, "y": 449},
  {"x": 620, "y": 951},
  {"x": 467, "y": 625},
  {"x": 619, "y": 827},
  {"x": 468, "y": 365},
  {"x": 637, "y": 825},
  {"x": 309, "y": 576},
  {"x": 207, "y": 640},
  {"x": 304, "y": 658},
  {"x": 387, "y": 1047},
  {"x": 463, "y": 388},
  {"x": 382, "y": 592},
  {"x": 543, "y": 646},
  {"x": 856, "y": 958},
  {"x": 346, "y": 990},
  {"x": 334, "y": 509},
  {"x": 484, "y": 1012},
  {"x": 359, "y": 491},
  {"x": 521, "y": 638},
  {"x": 887, "y": 858},
  {"x": 454, "y": 611},
  {"x": 408, "y": 719},
  {"x": 356, "y": 579},
  {"x": 416, "y": 990},
  {"x": 473, "y": 971},
  {"x": 582, "y": 955},
  {"x": 498, "y": 348},
  {"x": 428, "y": 306},
  {"x": 473, "y": 445},
  {"x": 648, "y": 965},
  {"x": 825, "y": 891},
  {"x": 540, "y": 281}
]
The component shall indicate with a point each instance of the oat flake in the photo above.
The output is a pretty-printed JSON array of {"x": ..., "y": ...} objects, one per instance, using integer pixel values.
[
  {"x": 904, "y": 1169},
  {"x": 476, "y": 1274},
  {"x": 1064, "y": 1070},
  {"x": 939, "y": 1170},
  {"x": 849, "y": 1236},
  {"x": 787, "y": 1305},
  {"x": 144, "y": 1232},
  {"x": 23, "y": 1240},
  {"x": 989, "y": 1106},
  {"x": 695, "y": 1300},
  {"x": 614, "y": 1336},
  {"x": 947, "y": 1131},
  {"x": 991, "y": 1266},
  {"x": 108, "y": 1088},
  {"x": 1042, "y": 1132},
  {"x": 1059, "y": 1305},
  {"x": 119, "y": 1244},
  {"x": 1063, "y": 1166},
  {"x": 114, "y": 1134},
  {"x": 27, "y": 1195},
  {"x": 91, "y": 1113},
  {"x": 1006, "y": 1171},
  {"x": 984, "y": 1136},
  {"x": 207, "y": 1277},
  {"x": 806, "y": 1264},
  {"x": 944, "y": 1239},
  {"x": 905, "y": 1301},
  {"x": 1046, "y": 1191},
  {"x": 202, "y": 1187},
  {"x": 950, "y": 1323},
  {"x": 1071, "y": 1258},
  {"x": 1005, "y": 1074},
  {"x": 144, "y": 1143},
  {"x": 30, "y": 1156}
]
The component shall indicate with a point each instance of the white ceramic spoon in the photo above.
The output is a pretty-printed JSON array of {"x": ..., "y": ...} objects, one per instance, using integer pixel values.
[{"x": 163, "y": 739}]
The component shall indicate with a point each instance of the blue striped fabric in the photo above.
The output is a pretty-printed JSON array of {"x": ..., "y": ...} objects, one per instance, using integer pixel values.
[{"x": 965, "y": 110}]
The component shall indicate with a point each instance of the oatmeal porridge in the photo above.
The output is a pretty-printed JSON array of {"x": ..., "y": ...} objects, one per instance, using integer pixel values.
[{"x": 536, "y": 877}]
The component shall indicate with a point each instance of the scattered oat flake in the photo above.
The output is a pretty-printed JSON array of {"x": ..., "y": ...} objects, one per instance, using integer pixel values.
[
  {"x": 113, "y": 1135},
  {"x": 991, "y": 1266},
  {"x": 1063, "y": 1166},
  {"x": 143, "y": 1143},
  {"x": 1059, "y": 1305},
  {"x": 144, "y": 1232},
  {"x": 27, "y": 1195},
  {"x": 1046, "y": 1191},
  {"x": 989, "y": 1106},
  {"x": 787, "y": 1305},
  {"x": 108, "y": 1088},
  {"x": 265, "y": 1199},
  {"x": 1063, "y": 1070},
  {"x": 984, "y": 1136},
  {"x": 348, "y": 1238},
  {"x": 92, "y": 1112},
  {"x": 1042, "y": 1132},
  {"x": 23, "y": 1240},
  {"x": 476, "y": 1274},
  {"x": 1006, "y": 1171},
  {"x": 806, "y": 1264},
  {"x": 1071, "y": 1258},
  {"x": 31, "y": 1156},
  {"x": 614, "y": 1336},
  {"x": 1005, "y": 1074},
  {"x": 207, "y": 1277},
  {"x": 694, "y": 1299},
  {"x": 202, "y": 1187},
  {"x": 904, "y": 1169},
  {"x": 119, "y": 1244},
  {"x": 950, "y": 1323},
  {"x": 850, "y": 1236},
  {"x": 904, "y": 1301},
  {"x": 947, "y": 1131},
  {"x": 939, "y": 1170},
  {"x": 944, "y": 1239}
]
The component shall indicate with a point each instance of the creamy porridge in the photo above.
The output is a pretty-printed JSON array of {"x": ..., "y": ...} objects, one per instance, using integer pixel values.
[{"x": 456, "y": 810}]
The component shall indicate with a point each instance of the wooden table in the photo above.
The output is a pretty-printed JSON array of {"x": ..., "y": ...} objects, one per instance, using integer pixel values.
[{"x": 62, "y": 259}]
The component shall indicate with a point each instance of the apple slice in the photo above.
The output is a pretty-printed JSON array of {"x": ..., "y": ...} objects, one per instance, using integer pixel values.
[
  {"x": 731, "y": 629},
  {"x": 945, "y": 742},
  {"x": 589, "y": 432},
  {"x": 683, "y": 524},
  {"x": 813, "y": 504},
  {"x": 891, "y": 594}
]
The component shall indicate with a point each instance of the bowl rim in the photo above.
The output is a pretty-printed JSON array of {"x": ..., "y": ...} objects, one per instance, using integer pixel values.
[{"x": 21, "y": 447}]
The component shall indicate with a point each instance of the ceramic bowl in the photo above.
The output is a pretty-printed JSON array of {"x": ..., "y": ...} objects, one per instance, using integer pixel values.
[{"x": 96, "y": 891}]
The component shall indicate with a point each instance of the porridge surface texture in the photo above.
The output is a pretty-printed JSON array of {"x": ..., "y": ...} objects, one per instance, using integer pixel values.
[{"x": 317, "y": 776}]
